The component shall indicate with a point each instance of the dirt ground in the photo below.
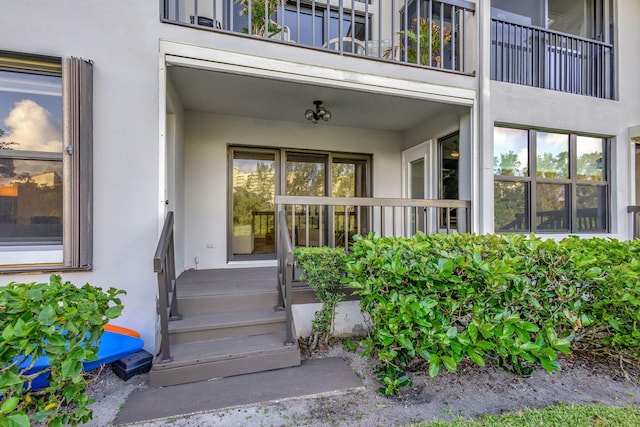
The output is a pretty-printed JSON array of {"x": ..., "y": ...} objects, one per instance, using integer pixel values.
[{"x": 471, "y": 392}]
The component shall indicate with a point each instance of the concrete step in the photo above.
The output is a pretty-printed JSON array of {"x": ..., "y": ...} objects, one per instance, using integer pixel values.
[
  {"x": 204, "y": 327},
  {"x": 226, "y": 302},
  {"x": 202, "y": 360}
]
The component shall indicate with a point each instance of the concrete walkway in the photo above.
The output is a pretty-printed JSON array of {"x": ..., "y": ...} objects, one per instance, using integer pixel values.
[{"x": 313, "y": 377}]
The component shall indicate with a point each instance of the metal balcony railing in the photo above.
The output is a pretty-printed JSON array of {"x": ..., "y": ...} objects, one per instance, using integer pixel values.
[
  {"x": 428, "y": 33},
  {"x": 538, "y": 57}
]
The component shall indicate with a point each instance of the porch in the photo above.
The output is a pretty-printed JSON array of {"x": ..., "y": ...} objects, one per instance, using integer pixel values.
[{"x": 226, "y": 322}]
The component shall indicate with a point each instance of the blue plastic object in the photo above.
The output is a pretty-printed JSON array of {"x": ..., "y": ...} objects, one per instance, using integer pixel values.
[{"x": 112, "y": 347}]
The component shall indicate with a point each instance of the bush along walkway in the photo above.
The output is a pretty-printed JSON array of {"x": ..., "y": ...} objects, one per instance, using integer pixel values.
[{"x": 516, "y": 300}]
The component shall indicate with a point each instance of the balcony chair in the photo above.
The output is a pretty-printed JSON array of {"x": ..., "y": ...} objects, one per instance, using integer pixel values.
[
  {"x": 206, "y": 22},
  {"x": 349, "y": 45}
]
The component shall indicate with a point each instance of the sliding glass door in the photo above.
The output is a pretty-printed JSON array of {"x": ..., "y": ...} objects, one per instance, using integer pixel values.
[
  {"x": 256, "y": 175},
  {"x": 253, "y": 177}
]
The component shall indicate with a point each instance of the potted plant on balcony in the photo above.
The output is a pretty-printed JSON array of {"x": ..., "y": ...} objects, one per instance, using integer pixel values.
[
  {"x": 429, "y": 37},
  {"x": 258, "y": 14}
]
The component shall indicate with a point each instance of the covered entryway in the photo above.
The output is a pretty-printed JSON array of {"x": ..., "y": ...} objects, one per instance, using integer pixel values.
[{"x": 238, "y": 149}]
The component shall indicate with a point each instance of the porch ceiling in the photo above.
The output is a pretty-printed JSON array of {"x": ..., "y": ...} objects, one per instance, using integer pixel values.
[{"x": 269, "y": 99}]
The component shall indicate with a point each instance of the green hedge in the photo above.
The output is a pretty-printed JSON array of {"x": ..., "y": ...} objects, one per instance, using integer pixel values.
[
  {"x": 63, "y": 322},
  {"x": 515, "y": 299}
]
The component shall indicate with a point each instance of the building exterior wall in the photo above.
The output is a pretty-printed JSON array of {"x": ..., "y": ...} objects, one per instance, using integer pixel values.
[
  {"x": 207, "y": 138},
  {"x": 555, "y": 110},
  {"x": 131, "y": 128}
]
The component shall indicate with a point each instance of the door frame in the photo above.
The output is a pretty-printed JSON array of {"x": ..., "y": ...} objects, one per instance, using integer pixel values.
[{"x": 428, "y": 152}]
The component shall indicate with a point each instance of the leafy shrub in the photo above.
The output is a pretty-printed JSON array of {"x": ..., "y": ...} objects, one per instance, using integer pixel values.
[
  {"x": 323, "y": 271},
  {"x": 516, "y": 299},
  {"x": 612, "y": 308},
  {"x": 64, "y": 323}
]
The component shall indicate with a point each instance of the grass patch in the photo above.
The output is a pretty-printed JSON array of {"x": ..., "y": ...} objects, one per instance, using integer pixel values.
[{"x": 552, "y": 416}]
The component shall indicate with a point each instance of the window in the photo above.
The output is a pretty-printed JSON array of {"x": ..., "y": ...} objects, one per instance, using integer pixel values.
[
  {"x": 550, "y": 182},
  {"x": 45, "y": 173}
]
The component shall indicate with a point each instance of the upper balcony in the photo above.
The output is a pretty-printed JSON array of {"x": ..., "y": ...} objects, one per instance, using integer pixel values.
[
  {"x": 563, "y": 45},
  {"x": 426, "y": 33}
]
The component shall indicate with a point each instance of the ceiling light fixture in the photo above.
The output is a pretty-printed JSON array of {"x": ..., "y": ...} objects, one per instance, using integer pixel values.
[
  {"x": 455, "y": 154},
  {"x": 320, "y": 113}
]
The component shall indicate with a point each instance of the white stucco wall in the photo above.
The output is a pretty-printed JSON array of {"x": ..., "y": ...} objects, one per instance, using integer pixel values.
[
  {"x": 121, "y": 38},
  {"x": 207, "y": 138},
  {"x": 548, "y": 109},
  {"x": 348, "y": 320}
]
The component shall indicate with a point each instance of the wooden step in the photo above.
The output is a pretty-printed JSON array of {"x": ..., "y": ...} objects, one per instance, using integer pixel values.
[
  {"x": 204, "y": 327},
  {"x": 203, "y": 360},
  {"x": 225, "y": 302}
]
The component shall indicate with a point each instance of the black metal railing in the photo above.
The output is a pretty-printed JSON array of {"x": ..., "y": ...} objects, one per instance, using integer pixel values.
[
  {"x": 164, "y": 266},
  {"x": 538, "y": 57},
  {"x": 431, "y": 33}
]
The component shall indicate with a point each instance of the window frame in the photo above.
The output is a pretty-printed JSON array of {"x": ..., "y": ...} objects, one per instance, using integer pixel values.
[
  {"x": 572, "y": 182},
  {"x": 77, "y": 161}
]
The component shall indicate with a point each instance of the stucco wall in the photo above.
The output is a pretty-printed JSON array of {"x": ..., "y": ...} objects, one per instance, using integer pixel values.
[
  {"x": 207, "y": 138},
  {"x": 121, "y": 38},
  {"x": 550, "y": 109}
]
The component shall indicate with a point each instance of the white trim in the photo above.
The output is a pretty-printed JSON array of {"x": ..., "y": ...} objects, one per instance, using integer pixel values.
[
  {"x": 426, "y": 151},
  {"x": 162, "y": 141},
  {"x": 25, "y": 255},
  {"x": 237, "y": 63},
  {"x": 252, "y": 264}
]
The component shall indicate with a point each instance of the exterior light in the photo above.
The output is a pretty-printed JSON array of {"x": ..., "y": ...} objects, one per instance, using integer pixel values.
[{"x": 320, "y": 113}]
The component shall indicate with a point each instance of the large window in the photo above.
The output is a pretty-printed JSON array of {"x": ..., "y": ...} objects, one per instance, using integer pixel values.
[
  {"x": 45, "y": 174},
  {"x": 550, "y": 181}
]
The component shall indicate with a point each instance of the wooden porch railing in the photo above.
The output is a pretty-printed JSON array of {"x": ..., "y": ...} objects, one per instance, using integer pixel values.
[
  {"x": 635, "y": 220},
  {"x": 285, "y": 274},
  {"x": 333, "y": 221},
  {"x": 164, "y": 266}
]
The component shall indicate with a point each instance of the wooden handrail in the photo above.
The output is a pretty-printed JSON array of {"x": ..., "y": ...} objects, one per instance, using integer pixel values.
[
  {"x": 371, "y": 201},
  {"x": 285, "y": 274},
  {"x": 635, "y": 221},
  {"x": 164, "y": 266},
  {"x": 163, "y": 243}
]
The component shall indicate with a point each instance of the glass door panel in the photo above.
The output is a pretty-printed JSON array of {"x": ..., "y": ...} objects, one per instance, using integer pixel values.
[
  {"x": 449, "y": 172},
  {"x": 349, "y": 179},
  {"x": 416, "y": 191},
  {"x": 253, "y": 190},
  {"x": 420, "y": 182},
  {"x": 306, "y": 176}
]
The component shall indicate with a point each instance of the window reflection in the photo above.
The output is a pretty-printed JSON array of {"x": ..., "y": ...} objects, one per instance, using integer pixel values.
[
  {"x": 552, "y": 207},
  {"x": 592, "y": 207},
  {"x": 30, "y": 112},
  {"x": 30, "y": 158},
  {"x": 511, "y": 210},
  {"x": 590, "y": 158},
  {"x": 552, "y": 158},
  {"x": 511, "y": 152},
  {"x": 30, "y": 201}
]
